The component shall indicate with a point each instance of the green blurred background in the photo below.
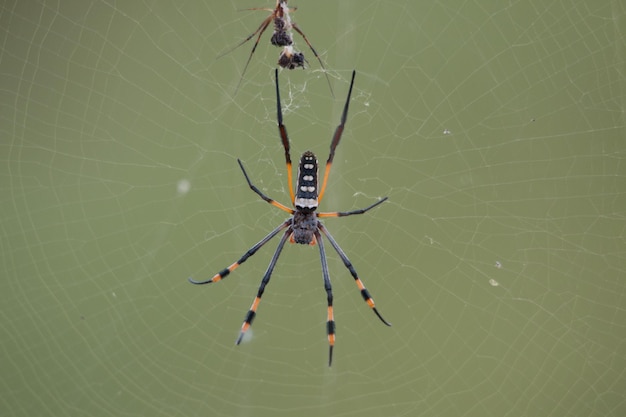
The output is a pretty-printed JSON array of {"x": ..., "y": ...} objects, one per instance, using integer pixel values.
[{"x": 497, "y": 129}]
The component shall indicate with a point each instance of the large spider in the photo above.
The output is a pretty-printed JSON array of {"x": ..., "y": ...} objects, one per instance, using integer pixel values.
[
  {"x": 282, "y": 37},
  {"x": 303, "y": 226}
]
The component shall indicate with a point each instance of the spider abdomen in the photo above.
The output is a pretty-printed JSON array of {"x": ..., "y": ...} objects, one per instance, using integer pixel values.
[
  {"x": 281, "y": 36},
  {"x": 303, "y": 227},
  {"x": 306, "y": 189}
]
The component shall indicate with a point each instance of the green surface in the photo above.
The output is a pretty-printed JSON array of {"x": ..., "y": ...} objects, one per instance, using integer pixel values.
[{"x": 497, "y": 129}]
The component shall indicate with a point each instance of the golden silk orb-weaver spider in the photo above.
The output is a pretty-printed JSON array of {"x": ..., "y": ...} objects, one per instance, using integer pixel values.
[
  {"x": 303, "y": 226},
  {"x": 282, "y": 37}
]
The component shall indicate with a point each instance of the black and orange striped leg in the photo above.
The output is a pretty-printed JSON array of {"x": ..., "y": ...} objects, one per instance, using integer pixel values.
[
  {"x": 364, "y": 292},
  {"x": 282, "y": 130},
  {"x": 263, "y": 196},
  {"x": 266, "y": 279},
  {"x": 223, "y": 273},
  {"x": 350, "y": 213},
  {"x": 336, "y": 138},
  {"x": 330, "y": 321}
]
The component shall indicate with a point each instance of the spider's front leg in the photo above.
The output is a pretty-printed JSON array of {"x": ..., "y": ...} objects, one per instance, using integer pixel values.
[
  {"x": 330, "y": 320},
  {"x": 364, "y": 292},
  {"x": 224, "y": 272},
  {"x": 247, "y": 322}
]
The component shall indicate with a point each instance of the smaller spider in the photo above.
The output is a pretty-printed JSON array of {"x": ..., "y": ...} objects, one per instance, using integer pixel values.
[
  {"x": 303, "y": 226},
  {"x": 281, "y": 37}
]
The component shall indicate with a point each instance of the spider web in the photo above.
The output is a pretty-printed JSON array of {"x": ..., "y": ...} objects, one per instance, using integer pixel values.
[{"x": 496, "y": 129}]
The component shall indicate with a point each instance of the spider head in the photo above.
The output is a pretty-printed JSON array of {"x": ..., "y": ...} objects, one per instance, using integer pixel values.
[
  {"x": 304, "y": 225},
  {"x": 306, "y": 187}
]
